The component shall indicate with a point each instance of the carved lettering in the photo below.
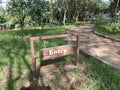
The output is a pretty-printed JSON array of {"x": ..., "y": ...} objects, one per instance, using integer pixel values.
[{"x": 55, "y": 52}]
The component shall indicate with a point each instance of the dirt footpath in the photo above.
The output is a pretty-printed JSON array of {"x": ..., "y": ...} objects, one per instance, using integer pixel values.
[{"x": 106, "y": 50}]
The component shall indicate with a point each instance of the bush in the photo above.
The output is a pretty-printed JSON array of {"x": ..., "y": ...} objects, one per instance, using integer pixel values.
[
  {"x": 102, "y": 19},
  {"x": 116, "y": 27},
  {"x": 2, "y": 20},
  {"x": 106, "y": 28}
]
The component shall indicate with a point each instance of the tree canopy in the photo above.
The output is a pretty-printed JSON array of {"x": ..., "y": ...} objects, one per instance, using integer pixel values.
[{"x": 58, "y": 11}]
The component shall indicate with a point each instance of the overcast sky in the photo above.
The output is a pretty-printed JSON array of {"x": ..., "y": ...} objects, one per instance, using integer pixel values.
[{"x": 4, "y": 3}]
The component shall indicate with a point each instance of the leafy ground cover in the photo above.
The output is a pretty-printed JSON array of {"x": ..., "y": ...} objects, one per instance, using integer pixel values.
[
  {"x": 15, "y": 64},
  {"x": 107, "y": 30}
]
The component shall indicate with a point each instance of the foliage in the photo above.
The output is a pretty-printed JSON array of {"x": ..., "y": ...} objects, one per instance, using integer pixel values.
[
  {"x": 18, "y": 10},
  {"x": 106, "y": 28},
  {"x": 116, "y": 27},
  {"x": 2, "y": 15},
  {"x": 61, "y": 11},
  {"x": 114, "y": 6},
  {"x": 102, "y": 19},
  {"x": 115, "y": 24},
  {"x": 102, "y": 8},
  {"x": 2, "y": 20},
  {"x": 58, "y": 11},
  {"x": 105, "y": 23},
  {"x": 110, "y": 31},
  {"x": 39, "y": 10},
  {"x": 2, "y": 11}
]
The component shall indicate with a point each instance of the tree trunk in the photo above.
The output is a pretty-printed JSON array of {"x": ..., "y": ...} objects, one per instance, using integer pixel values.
[
  {"x": 64, "y": 18},
  {"x": 22, "y": 29},
  {"x": 77, "y": 17},
  {"x": 117, "y": 6}
]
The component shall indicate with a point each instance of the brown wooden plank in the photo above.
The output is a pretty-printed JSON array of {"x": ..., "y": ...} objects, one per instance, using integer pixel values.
[
  {"x": 54, "y": 52},
  {"x": 50, "y": 37},
  {"x": 53, "y": 36}
]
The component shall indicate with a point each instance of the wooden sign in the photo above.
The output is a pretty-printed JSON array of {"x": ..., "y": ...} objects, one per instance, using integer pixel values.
[{"x": 54, "y": 52}]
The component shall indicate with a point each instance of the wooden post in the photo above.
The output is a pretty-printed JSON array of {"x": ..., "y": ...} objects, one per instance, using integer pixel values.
[
  {"x": 32, "y": 54},
  {"x": 77, "y": 48}
]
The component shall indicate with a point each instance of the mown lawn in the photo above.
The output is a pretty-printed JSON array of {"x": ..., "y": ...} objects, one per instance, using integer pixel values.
[{"x": 15, "y": 63}]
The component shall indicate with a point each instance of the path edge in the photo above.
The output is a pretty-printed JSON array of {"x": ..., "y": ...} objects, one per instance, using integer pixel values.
[
  {"x": 99, "y": 59},
  {"x": 105, "y": 36}
]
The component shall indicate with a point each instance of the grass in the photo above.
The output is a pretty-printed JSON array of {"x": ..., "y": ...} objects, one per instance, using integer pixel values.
[
  {"x": 15, "y": 63},
  {"x": 15, "y": 53},
  {"x": 97, "y": 28},
  {"x": 106, "y": 77}
]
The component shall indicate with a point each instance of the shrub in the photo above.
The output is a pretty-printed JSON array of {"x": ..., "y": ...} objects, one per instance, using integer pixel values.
[
  {"x": 116, "y": 27},
  {"x": 102, "y": 19},
  {"x": 106, "y": 28}
]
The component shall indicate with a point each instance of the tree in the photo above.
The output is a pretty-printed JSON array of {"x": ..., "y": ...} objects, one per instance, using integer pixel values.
[
  {"x": 57, "y": 11},
  {"x": 61, "y": 11},
  {"x": 83, "y": 8},
  {"x": 65, "y": 9},
  {"x": 74, "y": 9},
  {"x": 18, "y": 9},
  {"x": 117, "y": 5},
  {"x": 39, "y": 10},
  {"x": 2, "y": 14},
  {"x": 114, "y": 6}
]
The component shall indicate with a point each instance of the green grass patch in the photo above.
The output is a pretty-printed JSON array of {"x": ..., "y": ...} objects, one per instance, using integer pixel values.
[
  {"x": 104, "y": 76},
  {"x": 15, "y": 53},
  {"x": 106, "y": 30},
  {"x": 15, "y": 63}
]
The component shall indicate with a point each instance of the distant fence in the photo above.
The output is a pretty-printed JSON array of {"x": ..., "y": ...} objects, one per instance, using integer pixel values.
[{"x": 14, "y": 26}]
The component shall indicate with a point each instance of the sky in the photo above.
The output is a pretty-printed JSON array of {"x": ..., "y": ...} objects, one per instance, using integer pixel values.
[
  {"x": 105, "y": 0},
  {"x": 4, "y": 3}
]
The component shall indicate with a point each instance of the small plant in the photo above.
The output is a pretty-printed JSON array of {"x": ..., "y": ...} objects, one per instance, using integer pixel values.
[
  {"x": 111, "y": 31},
  {"x": 116, "y": 27},
  {"x": 102, "y": 20},
  {"x": 107, "y": 28}
]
